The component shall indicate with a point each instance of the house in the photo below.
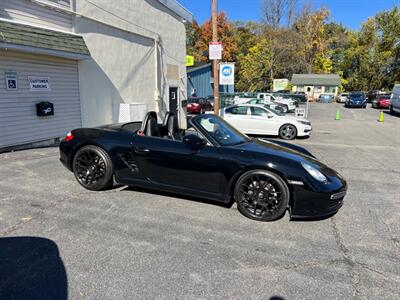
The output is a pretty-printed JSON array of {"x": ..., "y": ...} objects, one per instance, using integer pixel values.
[
  {"x": 87, "y": 63},
  {"x": 316, "y": 84},
  {"x": 200, "y": 81}
]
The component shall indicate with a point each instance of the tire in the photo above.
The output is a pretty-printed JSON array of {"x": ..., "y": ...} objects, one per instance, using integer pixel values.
[
  {"x": 93, "y": 168},
  {"x": 262, "y": 195},
  {"x": 391, "y": 110},
  {"x": 288, "y": 132}
]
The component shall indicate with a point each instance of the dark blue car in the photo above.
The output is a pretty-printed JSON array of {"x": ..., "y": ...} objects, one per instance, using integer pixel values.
[{"x": 356, "y": 99}]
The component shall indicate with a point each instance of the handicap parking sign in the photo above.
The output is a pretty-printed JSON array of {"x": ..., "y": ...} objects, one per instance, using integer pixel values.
[{"x": 11, "y": 81}]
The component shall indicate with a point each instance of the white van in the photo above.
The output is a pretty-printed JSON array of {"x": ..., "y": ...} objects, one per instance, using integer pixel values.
[{"x": 395, "y": 100}]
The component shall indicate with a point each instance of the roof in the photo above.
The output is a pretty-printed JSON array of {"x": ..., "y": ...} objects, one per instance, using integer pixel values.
[
  {"x": 198, "y": 66},
  {"x": 315, "y": 79},
  {"x": 179, "y": 9},
  {"x": 13, "y": 35}
]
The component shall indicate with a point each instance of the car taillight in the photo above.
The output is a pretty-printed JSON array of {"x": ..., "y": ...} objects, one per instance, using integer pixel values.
[{"x": 69, "y": 137}]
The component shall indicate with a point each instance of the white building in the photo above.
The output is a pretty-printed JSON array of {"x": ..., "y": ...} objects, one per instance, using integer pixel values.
[{"x": 96, "y": 61}]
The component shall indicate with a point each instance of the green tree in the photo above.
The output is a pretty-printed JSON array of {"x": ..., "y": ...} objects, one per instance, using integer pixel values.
[{"x": 255, "y": 68}]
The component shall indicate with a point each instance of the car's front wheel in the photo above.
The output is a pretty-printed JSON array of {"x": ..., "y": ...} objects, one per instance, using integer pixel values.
[
  {"x": 93, "y": 168},
  {"x": 287, "y": 132},
  {"x": 262, "y": 195}
]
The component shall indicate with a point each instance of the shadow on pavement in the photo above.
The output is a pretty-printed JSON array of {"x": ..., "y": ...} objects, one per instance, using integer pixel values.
[
  {"x": 168, "y": 194},
  {"x": 31, "y": 268}
]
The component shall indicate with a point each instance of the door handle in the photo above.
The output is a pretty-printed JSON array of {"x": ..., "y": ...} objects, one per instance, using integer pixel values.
[{"x": 142, "y": 150}]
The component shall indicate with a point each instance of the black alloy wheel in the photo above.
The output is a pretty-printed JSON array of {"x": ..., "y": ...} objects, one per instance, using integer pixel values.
[
  {"x": 92, "y": 168},
  {"x": 287, "y": 132},
  {"x": 262, "y": 195}
]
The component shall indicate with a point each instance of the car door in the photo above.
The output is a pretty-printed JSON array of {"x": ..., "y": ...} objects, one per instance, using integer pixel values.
[
  {"x": 173, "y": 163},
  {"x": 238, "y": 117},
  {"x": 263, "y": 122}
]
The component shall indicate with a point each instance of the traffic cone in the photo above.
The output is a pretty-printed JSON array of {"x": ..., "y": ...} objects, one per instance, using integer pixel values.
[
  {"x": 337, "y": 118},
  {"x": 381, "y": 117}
]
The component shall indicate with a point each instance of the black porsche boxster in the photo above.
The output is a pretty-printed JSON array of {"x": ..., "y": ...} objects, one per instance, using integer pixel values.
[{"x": 211, "y": 160}]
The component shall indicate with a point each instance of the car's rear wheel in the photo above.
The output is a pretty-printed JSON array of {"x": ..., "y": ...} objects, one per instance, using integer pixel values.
[
  {"x": 262, "y": 195},
  {"x": 93, "y": 168},
  {"x": 287, "y": 132}
]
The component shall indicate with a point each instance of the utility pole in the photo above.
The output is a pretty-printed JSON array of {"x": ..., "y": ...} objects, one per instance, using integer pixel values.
[{"x": 215, "y": 62}]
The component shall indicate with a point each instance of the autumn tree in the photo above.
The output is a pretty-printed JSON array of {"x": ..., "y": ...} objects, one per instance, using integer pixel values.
[{"x": 225, "y": 35}]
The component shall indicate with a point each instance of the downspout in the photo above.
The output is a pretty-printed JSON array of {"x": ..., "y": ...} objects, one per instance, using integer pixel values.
[{"x": 156, "y": 90}]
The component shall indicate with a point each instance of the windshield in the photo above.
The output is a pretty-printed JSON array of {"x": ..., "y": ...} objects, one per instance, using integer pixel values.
[
  {"x": 357, "y": 95},
  {"x": 219, "y": 130}
]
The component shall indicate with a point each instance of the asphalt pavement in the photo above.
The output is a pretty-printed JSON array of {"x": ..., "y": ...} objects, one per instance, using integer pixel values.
[{"x": 130, "y": 244}]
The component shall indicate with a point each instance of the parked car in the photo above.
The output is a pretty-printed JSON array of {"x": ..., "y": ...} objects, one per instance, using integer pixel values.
[
  {"x": 257, "y": 119},
  {"x": 371, "y": 95},
  {"x": 288, "y": 104},
  {"x": 342, "y": 97},
  {"x": 381, "y": 101},
  {"x": 265, "y": 178},
  {"x": 395, "y": 99},
  {"x": 197, "y": 105},
  {"x": 298, "y": 96},
  {"x": 325, "y": 98},
  {"x": 273, "y": 105},
  {"x": 356, "y": 99}
]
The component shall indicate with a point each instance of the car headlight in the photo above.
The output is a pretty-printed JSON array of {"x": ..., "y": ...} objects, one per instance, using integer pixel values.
[{"x": 315, "y": 173}]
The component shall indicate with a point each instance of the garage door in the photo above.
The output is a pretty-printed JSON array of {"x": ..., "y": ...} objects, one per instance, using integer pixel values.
[{"x": 19, "y": 123}]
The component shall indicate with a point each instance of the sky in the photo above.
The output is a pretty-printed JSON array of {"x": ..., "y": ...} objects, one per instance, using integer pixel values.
[{"x": 350, "y": 13}]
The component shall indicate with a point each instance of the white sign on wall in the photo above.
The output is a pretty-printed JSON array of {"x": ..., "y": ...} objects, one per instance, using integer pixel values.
[
  {"x": 215, "y": 50},
  {"x": 227, "y": 74},
  {"x": 39, "y": 83},
  {"x": 11, "y": 80}
]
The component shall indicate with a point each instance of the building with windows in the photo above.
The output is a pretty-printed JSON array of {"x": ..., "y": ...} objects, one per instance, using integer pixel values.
[
  {"x": 316, "y": 84},
  {"x": 88, "y": 63}
]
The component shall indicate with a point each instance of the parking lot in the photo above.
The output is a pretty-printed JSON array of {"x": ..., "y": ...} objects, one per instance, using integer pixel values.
[{"x": 127, "y": 243}]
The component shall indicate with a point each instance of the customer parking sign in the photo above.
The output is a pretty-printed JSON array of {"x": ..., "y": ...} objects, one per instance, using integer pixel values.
[{"x": 227, "y": 74}]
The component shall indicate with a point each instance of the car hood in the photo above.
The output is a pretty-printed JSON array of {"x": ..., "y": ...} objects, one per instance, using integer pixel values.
[{"x": 286, "y": 151}]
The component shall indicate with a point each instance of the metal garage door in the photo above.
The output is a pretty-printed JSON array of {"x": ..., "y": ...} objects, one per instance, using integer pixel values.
[{"x": 19, "y": 123}]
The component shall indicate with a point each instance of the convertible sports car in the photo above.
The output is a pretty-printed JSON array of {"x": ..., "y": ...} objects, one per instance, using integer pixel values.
[{"x": 265, "y": 178}]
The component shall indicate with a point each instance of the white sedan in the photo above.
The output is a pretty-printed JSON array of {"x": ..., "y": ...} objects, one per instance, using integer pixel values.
[{"x": 257, "y": 119}]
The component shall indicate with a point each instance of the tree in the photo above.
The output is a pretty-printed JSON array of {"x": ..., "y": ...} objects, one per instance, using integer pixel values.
[
  {"x": 274, "y": 12},
  {"x": 255, "y": 68},
  {"x": 192, "y": 35},
  {"x": 225, "y": 35}
]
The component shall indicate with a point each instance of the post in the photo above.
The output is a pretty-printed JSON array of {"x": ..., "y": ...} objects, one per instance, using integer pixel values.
[{"x": 215, "y": 62}]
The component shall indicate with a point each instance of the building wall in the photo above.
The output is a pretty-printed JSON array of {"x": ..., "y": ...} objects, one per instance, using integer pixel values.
[
  {"x": 201, "y": 80},
  {"x": 28, "y": 12},
  {"x": 124, "y": 67},
  {"x": 19, "y": 123}
]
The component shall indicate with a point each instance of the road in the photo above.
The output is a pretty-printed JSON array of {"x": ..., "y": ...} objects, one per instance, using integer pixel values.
[{"x": 126, "y": 243}]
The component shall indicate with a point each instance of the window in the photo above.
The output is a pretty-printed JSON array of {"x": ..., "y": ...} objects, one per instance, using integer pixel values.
[
  {"x": 258, "y": 111},
  {"x": 330, "y": 89},
  {"x": 318, "y": 89},
  {"x": 261, "y": 96},
  {"x": 237, "y": 110}
]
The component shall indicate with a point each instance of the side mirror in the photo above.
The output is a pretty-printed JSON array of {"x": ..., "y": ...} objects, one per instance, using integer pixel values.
[
  {"x": 270, "y": 115},
  {"x": 194, "y": 142}
]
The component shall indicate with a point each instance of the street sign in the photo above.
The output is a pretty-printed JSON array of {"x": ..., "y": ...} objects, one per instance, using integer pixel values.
[
  {"x": 227, "y": 74},
  {"x": 280, "y": 84},
  {"x": 189, "y": 61},
  {"x": 11, "y": 80},
  {"x": 300, "y": 112},
  {"x": 215, "y": 50}
]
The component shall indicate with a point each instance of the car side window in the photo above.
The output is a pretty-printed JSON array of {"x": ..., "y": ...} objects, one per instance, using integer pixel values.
[
  {"x": 257, "y": 111},
  {"x": 237, "y": 110}
]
